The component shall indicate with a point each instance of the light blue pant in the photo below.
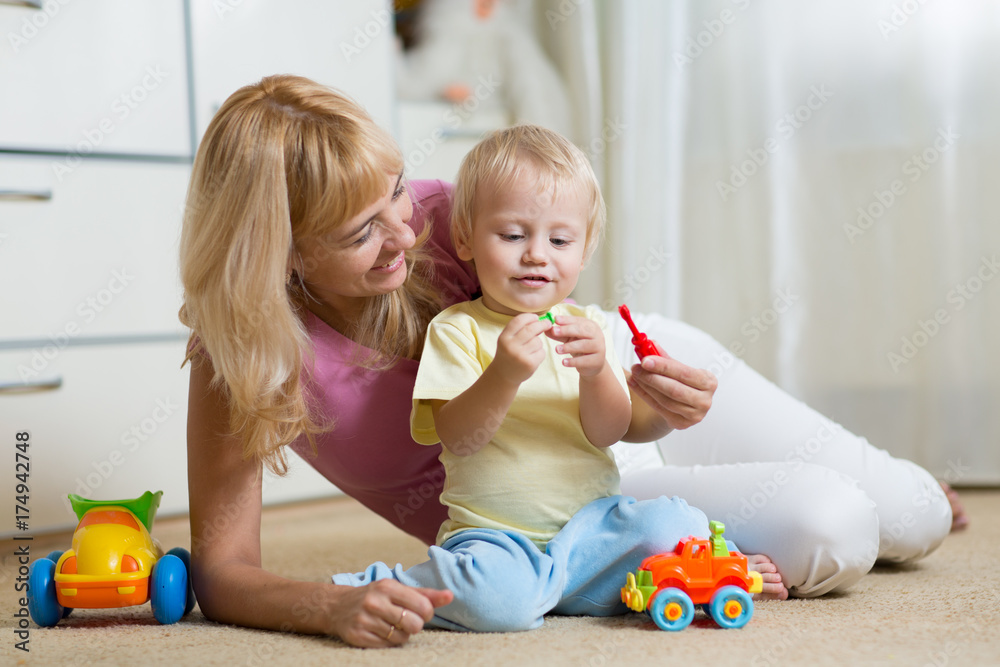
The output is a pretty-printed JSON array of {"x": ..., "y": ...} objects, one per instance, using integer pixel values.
[{"x": 503, "y": 583}]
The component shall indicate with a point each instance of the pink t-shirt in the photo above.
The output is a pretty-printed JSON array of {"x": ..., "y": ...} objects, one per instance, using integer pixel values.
[{"x": 370, "y": 455}]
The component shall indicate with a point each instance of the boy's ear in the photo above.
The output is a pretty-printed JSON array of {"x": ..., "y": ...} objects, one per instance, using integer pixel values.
[{"x": 463, "y": 248}]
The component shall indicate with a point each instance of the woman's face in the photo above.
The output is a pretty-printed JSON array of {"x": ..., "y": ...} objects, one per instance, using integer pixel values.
[{"x": 364, "y": 256}]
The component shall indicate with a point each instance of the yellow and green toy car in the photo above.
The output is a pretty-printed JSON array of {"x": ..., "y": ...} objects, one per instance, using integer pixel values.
[{"x": 113, "y": 562}]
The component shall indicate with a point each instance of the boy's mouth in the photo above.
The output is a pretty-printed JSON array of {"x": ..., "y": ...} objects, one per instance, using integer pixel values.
[{"x": 533, "y": 280}]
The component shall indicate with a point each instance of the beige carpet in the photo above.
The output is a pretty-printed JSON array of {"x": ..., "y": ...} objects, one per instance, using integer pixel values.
[{"x": 941, "y": 611}]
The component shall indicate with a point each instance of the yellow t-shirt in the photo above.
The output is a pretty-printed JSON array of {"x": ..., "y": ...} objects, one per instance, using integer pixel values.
[{"x": 539, "y": 469}]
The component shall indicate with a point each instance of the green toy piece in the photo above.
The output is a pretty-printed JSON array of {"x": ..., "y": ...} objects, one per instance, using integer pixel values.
[
  {"x": 719, "y": 547},
  {"x": 549, "y": 317},
  {"x": 144, "y": 507}
]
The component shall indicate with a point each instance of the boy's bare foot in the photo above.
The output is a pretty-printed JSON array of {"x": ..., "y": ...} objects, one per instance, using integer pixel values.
[
  {"x": 959, "y": 519},
  {"x": 774, "y": 589}
]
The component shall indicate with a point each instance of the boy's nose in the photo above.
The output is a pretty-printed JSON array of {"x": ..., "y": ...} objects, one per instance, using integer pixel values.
[{"x": 536, "y": 252}]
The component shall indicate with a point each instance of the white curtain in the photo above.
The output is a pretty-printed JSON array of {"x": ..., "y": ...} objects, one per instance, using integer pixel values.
[{"x": 816, "y": 184}]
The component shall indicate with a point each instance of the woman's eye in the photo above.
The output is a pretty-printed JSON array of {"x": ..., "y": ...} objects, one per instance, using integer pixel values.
[
  {"x": 399, "y": 192},
  {"x": 364, "y": 238}
]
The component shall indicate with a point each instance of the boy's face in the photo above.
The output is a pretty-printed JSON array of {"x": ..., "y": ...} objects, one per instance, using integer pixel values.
[{"x": 528, "y": 246}]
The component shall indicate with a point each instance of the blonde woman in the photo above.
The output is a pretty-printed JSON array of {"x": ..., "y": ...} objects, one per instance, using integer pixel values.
[{"x": 311, "y": 269}]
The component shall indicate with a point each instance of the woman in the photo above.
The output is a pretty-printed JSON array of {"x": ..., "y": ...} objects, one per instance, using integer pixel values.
[{"x": 310, "y": 272}]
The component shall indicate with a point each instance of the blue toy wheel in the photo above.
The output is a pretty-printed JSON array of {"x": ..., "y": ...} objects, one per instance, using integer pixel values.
[
  {"x": 168, "y": 587},
  {"x": 54, "y": 556},
  {"x": 185, "y": 557},
  {"x": 671, "y": 609},
  {"x": 43, "y": 606},
  {"x": 731, "y": 607}
]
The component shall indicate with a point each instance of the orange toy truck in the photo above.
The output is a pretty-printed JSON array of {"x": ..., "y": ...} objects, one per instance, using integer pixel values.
[{"x": 699, "y": 571}]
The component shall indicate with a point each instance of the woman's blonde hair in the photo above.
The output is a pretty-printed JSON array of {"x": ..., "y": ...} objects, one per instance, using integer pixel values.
[
  {"x": 503, "y": 155},
  {"x": 283, "y": 161}
]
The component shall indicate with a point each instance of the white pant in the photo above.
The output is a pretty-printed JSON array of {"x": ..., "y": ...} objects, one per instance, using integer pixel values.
[{"x": 821, "y": 502}]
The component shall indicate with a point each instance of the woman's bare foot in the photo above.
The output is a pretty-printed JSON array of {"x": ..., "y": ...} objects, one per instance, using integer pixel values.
[
  {"x": 774, "y": 589},
  {"x": 959, "y": 519}
]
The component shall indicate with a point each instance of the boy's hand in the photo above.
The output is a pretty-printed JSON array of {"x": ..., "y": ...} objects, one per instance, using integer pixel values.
[
  {"x": 583, "y": 340},
  {"x": 519, "y": 350}
]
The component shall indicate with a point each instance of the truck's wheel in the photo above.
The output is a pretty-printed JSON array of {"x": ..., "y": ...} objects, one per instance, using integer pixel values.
[
  {"x": 671, "y": 609},
  {"x": 731, "y": 607}
]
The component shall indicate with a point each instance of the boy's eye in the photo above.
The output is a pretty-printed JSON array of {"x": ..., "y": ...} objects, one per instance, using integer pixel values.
[
  {"x": 512, "y": 237},
  {"x": 559, "y": 243}
]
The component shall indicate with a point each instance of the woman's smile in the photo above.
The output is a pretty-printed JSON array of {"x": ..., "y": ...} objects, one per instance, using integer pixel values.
[{"x": 391, "y": 265}]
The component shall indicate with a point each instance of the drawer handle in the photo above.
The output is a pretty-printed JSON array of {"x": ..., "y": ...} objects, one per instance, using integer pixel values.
[
  {"x": 30, "y": 387},
  {"x": 36, "y": 4},
  {"x": 25, "y": 195}
]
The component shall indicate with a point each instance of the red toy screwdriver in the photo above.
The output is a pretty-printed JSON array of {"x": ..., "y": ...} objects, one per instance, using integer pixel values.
[{"x": 644, "y": 347}]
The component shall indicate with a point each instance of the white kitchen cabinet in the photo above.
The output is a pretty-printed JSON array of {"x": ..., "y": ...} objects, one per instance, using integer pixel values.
[
  {"x": 347, "y": 44},
  {"x": 97, "y": 77},
  {"x": 91, "y": 203},
  {"x": 93, "y": 253}
]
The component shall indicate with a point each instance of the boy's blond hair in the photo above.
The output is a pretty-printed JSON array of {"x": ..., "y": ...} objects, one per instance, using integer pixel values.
[{"x": 503, "y": 155}]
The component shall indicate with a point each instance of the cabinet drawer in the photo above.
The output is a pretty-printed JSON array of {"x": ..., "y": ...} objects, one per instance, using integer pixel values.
[
  {"x": 98, "y": 257},
  {"x": 113, "y": 429},
  {"x": 95, "y": 77},
  {"x": 115, "y": 425}
]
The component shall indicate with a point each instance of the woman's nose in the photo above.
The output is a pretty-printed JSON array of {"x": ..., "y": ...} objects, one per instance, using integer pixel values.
[{"x": 400, "y": 236}]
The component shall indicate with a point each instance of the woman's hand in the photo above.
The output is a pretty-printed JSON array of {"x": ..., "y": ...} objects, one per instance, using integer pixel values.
[
  {"x": 679, "y": 397},
  {"x": 384, "y": 613}
]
